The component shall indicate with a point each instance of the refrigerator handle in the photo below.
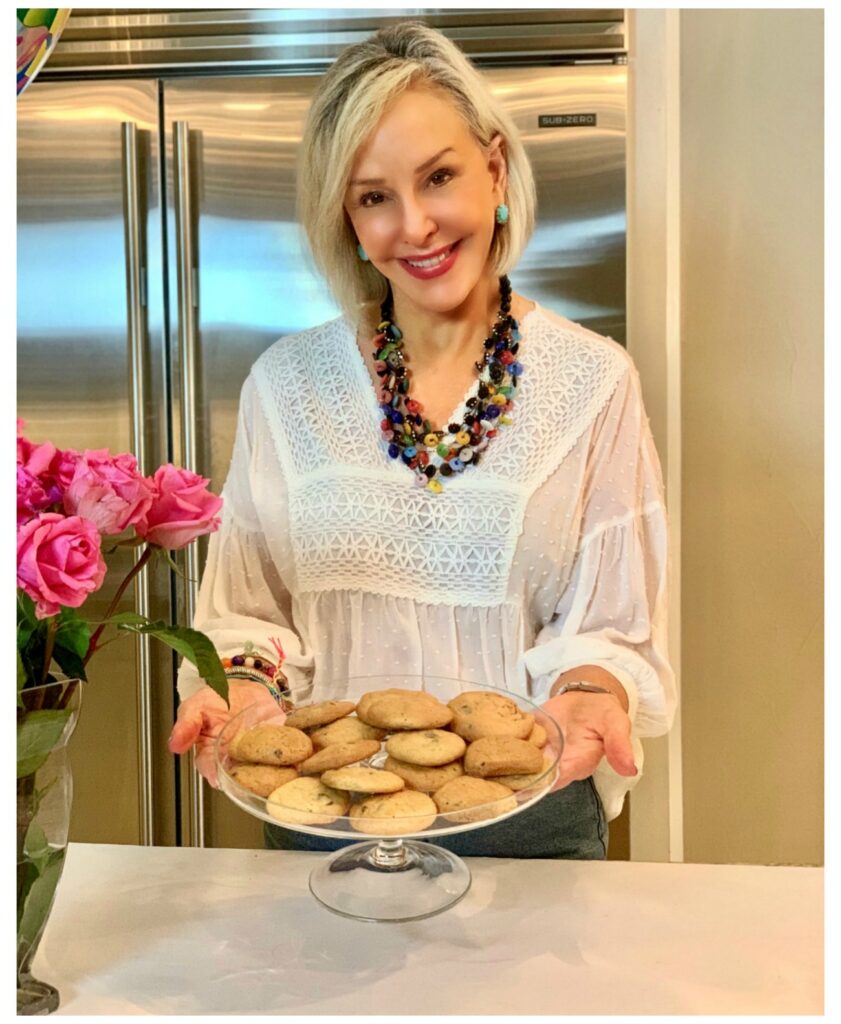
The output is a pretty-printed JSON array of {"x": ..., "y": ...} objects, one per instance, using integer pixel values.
[
  {"x": 138, "y": 394},
  {"x": 187, "y": 333}
]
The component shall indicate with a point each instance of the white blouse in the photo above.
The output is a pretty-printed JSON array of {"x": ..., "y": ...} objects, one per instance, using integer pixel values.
[{"x": 549, "y": 554}]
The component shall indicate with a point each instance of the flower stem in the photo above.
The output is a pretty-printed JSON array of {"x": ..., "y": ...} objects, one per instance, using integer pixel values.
[
  {"x": 52, "y": 629},
  {"x": 135, "y": 569},
  {"x": 68, "y": 693}
]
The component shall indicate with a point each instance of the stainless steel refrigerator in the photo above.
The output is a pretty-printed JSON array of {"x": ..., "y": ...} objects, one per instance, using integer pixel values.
[{"x": 158, "y": 256}]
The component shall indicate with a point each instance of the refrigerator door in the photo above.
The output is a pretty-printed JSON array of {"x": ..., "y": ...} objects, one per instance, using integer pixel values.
[
  {"x": 242, "y": 279},
  {"x": 245, "y": 278},
  {"x": 91, "y": 375}
]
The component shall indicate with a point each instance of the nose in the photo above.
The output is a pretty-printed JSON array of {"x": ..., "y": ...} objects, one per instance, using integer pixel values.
[{"x": 418, "y": 223}]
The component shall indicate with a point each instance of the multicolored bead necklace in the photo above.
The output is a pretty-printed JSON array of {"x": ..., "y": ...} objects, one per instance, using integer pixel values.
[{"x": 409, "y": 436}]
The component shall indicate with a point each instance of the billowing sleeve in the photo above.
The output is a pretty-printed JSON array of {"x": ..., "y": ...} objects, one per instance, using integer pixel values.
[
  {"x": 242, "y": 597},
  {"x": 612, "y": 612}
]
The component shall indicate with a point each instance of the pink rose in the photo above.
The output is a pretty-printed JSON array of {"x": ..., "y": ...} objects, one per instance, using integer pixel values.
[
  {"x": 182, "y": 510},
  {"x": 52, "y": 466},
  {"x": 21, "y": 439},
  {"x": 37, "y": 458},
  {"x": 63, "y": 467},
  {"x": 32, "y": 497},
  {"x": 108, "y": 490},
  {"x": 59, "y": 561}
]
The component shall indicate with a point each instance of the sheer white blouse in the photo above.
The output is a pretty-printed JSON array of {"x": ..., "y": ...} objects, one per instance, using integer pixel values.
[{"x": 549, "y": 554}]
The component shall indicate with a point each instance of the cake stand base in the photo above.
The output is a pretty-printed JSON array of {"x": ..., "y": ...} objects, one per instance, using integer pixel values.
[{"x": 390, "y": 880}]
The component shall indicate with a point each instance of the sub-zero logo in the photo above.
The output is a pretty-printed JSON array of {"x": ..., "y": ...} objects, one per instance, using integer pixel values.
[{"x": 566, "y": 120}]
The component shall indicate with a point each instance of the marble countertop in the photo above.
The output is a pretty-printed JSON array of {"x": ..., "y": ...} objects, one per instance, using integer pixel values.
[{"x": 160, "y": 930}]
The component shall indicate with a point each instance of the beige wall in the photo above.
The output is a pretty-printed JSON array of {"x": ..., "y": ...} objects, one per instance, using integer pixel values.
[
  {"x": 752, "y": 390},
  {"x": 740, "y": 425},
  {"x": 653, "y": 198}
]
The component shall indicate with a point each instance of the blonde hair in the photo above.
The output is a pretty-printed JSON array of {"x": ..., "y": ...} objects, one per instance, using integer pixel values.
[{"x": 349, "y": 102}]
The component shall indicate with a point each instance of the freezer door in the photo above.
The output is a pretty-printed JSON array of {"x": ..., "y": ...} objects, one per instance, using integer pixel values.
[
  {"x": 91, "y": 375},
  {"x": 572, "y": 121},
  {"x": 250, "y": 281}
]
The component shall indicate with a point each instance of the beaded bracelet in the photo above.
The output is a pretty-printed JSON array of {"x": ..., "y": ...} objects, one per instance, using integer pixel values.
[{"x": 259, "y": 670}]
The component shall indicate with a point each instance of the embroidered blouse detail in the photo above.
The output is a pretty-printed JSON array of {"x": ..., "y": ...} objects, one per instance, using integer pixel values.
[{"x": 358, "y": 521}]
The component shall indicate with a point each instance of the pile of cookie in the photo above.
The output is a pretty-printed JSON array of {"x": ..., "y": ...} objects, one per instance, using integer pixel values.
[{"x": 464, "y": 760}]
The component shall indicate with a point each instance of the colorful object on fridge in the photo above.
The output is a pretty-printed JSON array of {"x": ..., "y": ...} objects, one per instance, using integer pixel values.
[{"x": 37, "y": 33}]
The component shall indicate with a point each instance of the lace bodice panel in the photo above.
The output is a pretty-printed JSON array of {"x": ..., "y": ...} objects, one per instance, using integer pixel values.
[{"x": 356, "y": 518}]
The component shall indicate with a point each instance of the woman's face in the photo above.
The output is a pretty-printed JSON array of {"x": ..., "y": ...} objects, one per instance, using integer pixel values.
[{"x": 422, "y": 186}]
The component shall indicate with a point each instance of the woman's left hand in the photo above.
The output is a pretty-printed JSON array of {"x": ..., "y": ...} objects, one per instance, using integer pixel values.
[{"x": 594, "y": 725}]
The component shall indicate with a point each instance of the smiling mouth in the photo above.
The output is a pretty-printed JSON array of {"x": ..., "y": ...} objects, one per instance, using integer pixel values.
[{"x": 432, "y": 261}]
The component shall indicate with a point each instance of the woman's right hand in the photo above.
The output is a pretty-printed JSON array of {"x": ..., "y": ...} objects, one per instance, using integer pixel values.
[{"x": 202, "y": 717}]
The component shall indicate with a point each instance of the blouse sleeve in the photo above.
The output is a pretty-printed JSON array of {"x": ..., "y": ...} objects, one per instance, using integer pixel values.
[
  {"x": 242, "y": 596},
  {"x": 612, "y": 612}
]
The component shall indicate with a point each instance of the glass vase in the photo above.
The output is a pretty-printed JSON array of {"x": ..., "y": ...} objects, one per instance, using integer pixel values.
[{"x": 45, "y": 724}]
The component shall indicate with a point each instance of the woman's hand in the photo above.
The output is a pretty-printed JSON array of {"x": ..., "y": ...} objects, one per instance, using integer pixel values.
[
  {"x": 201, "y": 718},
  {"x": 593, "y": 725}
]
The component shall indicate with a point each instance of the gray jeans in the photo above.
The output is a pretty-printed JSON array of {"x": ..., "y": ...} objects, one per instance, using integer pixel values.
[{"x": 566, "y": 825}]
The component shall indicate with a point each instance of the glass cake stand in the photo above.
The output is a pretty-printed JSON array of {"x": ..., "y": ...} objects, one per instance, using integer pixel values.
[{"x": 383, "y": 876}]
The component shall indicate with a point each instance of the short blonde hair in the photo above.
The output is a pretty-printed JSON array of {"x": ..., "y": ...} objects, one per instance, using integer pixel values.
[{"x": 349, "y": 102}]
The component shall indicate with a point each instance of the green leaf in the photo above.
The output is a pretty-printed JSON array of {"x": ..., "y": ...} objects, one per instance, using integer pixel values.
[
  {"x": 126, "y": 619},
  {"x": 26, "y": 609},
  {"x": 40, "y": 898},
  {"x": 39, "y": 794},
  {"x": 27, "y": 876},
  {"x": 192, "y": 645},
  {"x": 25, "y": 632},
  {"x": 31, "y": 638},
  {"x": 36, "y": 847},
  {"x": 69, "y": 662},
  {"x": 198, "y": 649},
  {"x": 33, "y": 658},
  {"x": 21, "y": 678},
  {"x": 74, "y": 633},
  {"x": 38, "y": 733},
  {"x": 28, "y": 623}
]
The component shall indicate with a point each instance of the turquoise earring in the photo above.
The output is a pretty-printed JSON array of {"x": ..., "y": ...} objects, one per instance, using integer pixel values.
[
  {"x": 502, "y": 214},
  {"x": 362, "y": 254}
]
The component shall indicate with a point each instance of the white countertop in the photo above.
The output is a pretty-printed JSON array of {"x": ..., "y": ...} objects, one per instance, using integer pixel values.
[{"x": 180, "y": 931}]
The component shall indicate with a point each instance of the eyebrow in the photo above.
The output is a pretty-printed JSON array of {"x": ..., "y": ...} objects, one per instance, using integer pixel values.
[{"x": 423, "y": 167}]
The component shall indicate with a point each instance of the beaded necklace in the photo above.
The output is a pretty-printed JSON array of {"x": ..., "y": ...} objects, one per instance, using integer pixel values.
[{"x": 435, "y": 455}]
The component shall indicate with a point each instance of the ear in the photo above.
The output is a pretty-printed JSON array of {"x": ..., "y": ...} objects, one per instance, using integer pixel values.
[{"x": 498, "y": 166}]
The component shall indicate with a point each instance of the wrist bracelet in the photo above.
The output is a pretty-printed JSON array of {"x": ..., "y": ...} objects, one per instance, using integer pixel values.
[
  {"x": 282, "y": 697},
  {"x": 580, "y": 687},
  {"x": 259, "y": 670}
]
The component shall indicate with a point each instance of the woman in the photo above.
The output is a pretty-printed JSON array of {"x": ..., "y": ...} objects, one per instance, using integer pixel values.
[{"x": 449, "y": 479}]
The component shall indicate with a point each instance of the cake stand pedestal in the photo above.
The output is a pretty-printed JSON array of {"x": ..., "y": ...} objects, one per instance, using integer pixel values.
[{"x": 392, "y": 877}]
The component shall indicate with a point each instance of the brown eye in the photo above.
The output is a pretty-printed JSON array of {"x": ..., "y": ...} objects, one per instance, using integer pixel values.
[
  {"x": 441, "y": 176},
  {"x": 370, "y": 199}
]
